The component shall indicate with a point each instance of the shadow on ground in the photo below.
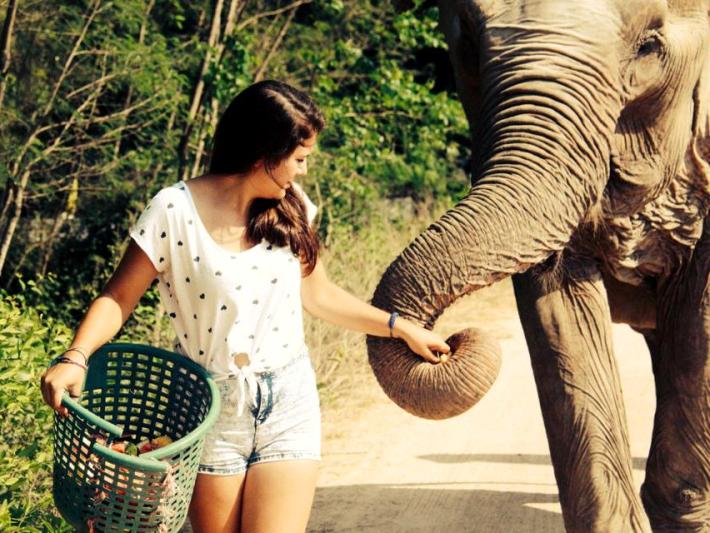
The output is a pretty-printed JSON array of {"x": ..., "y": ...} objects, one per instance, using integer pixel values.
[
  {"x": 638, "y": 463},
  {"x": 419, "y": 508}
]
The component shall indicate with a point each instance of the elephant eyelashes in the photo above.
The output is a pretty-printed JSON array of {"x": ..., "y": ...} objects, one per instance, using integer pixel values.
[{"x": 650, "y": 44}]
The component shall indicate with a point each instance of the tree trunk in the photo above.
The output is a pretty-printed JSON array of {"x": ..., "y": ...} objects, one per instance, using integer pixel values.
[
  {"x": 208, "y": 126},
  {"x": 66, "y": 213},
  {"x": 197, "y": 93},
  {"x": 234, "y": 12},
  {"x": 16, "y": 206},
  {"x": 6, "y": 47},
  {"x": 8, "y": 199}
]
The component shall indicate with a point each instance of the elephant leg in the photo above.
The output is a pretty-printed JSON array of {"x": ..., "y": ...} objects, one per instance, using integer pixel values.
[
  {"x": 567, "y": 326},
  {"x": 676, "y": 492}
]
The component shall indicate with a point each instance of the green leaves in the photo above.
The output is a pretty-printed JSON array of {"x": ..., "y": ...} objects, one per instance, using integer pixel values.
[
  {"x": 417, "y": 29},
  {"x": 388, "y": 134},
  {"x": 115, "y": 126},
  {"x": 26, "y": 341}
]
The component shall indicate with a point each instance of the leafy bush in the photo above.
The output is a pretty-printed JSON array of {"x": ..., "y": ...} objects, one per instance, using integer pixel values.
[{"x": 27, "y": 338}]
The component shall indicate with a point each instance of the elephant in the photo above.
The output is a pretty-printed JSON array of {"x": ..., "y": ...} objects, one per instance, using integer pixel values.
[{"x": 590, "y": 186}]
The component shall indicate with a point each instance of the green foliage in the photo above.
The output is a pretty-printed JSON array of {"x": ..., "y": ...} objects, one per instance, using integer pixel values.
[
  {"x": 394, "y": 129},
  {"x": 27, "y": 338},
  {"x": 111, "y": 114},
  {"x": 235, "y": 71},
  {"x": 388, "y": 134}
]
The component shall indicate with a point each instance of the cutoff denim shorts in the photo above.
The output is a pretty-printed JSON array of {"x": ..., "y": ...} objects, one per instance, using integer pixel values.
[{"x": 279, "y": 420}]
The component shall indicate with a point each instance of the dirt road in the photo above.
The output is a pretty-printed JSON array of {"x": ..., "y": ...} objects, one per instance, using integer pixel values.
[{"x": 487, "y": 470}]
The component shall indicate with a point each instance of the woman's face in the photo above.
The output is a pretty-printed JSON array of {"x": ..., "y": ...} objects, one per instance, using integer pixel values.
[{"x": 286, "y": 172}]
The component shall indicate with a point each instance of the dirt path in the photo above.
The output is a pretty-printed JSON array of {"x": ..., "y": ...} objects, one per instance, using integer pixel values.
[{"x": 487, "y": 470}]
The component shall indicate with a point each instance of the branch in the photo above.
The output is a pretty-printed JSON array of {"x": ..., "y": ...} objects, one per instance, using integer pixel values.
[
  {"x": 94, "y": 11},
  {"x": 92, "y": 84},
  {"x": 118, "y": 114},
  {"x": 198, "y": 91},
  {"x": 255, "y": 18},
  {"x": 274, "y": 46}
]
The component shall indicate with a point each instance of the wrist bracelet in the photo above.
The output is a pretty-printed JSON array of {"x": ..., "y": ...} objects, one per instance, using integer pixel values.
[
  {"x": 393, "y": 317},
  {"x": 86, "y": 357},
  {"x": 66, "y": 360}
]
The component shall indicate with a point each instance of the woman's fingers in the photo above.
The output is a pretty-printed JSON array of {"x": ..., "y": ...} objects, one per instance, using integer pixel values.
[
  {"x": 74, "y": 390},
  {"x": 43, "y": 388},
  {"x": 427, "y": 354},
  {"x": 57, "y": 399},
  {"x": 441, "y": 346},
  {"x": 53, "y": 384},
  {"x": 427, "y": 344}
]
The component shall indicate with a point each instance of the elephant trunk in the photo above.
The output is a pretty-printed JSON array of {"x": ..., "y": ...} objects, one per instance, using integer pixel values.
[{"x": 539, "y": 179}]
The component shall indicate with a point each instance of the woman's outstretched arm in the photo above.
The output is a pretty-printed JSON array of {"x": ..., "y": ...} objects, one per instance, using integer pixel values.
[{"x": 325, "y": 300}]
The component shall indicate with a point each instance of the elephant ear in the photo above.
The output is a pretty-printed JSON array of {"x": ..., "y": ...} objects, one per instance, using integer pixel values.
[{"x": 700, "y": 144}]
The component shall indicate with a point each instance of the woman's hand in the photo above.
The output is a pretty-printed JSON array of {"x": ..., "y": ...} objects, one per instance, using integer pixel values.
[
  {"x": 421, "y": 341},
  {"x": 61, "y": 377}
]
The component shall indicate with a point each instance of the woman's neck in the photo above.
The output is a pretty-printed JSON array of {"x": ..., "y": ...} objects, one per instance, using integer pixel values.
[{"x": 234, "y": 193}]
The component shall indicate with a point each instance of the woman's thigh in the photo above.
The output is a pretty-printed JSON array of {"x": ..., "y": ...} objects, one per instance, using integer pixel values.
[
  {"x": 216, "y": 503},
  {"x": 278, "y": 496}
]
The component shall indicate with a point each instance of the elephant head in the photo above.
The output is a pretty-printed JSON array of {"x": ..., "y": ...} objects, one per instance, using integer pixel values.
[{"x": 583, "y": 114}]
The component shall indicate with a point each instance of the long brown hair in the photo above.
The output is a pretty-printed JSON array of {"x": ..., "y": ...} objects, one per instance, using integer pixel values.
[{"x": 266, "y": 122}]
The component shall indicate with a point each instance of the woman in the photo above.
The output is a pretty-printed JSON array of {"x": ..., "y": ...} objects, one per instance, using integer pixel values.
[{"x": 237, "y": 259}]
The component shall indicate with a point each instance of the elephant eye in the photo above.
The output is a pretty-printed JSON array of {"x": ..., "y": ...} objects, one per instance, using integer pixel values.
[{"x": 650, "y": 44}]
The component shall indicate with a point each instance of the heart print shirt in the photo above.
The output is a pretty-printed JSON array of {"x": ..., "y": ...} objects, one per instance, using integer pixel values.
[{"x": 222, "y": 303}]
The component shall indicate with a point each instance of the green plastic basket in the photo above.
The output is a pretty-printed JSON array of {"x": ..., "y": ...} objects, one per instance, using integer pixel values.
[{"x": 143, "y": 392}]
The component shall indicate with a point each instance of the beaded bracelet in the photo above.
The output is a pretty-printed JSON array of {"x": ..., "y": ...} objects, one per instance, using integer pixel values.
[{"x": 66, "y": 360}]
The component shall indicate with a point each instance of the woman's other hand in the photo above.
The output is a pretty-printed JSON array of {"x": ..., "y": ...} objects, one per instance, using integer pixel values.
[{"x": 62, "y": 377}]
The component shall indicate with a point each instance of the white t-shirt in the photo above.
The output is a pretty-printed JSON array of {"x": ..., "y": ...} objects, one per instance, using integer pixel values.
[{"x": 222, "y": 303}]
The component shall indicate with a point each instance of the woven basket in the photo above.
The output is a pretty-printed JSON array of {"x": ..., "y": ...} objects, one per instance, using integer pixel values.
[{"x": 143, "y": 392}]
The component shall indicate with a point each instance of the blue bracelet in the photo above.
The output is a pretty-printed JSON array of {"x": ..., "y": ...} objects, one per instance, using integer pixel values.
[{"x": 393, "y": 317}]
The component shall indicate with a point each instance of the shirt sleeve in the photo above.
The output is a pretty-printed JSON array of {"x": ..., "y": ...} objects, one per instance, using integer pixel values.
[
  {"x": 151, "y": 231},
  {"x": 311, "y": 208}
]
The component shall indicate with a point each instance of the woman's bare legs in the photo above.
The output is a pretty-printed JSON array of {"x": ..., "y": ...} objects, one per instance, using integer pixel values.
[
  {"x": 278, "y": 496},
  {"x": 216, "y": 503}
]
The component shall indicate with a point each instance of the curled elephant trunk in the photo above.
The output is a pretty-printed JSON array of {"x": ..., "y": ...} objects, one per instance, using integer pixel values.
[
  {"x": 538, "y": 182},
  {"x": 443, "y": 390}
]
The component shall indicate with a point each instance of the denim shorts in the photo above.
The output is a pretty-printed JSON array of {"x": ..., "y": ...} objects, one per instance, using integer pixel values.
[{"x": 278, "y": 420}]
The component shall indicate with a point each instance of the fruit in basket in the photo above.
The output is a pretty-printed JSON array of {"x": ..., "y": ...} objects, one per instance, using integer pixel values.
[
  {"x": 154, "y": 444},
  {"x": 131, "y": 449},
  {"x": 161, "y": 442}
]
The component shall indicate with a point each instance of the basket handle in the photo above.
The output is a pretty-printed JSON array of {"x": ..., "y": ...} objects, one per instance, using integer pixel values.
[
  {"x": 137, "y": 463},
  {"x": 82, "y": 412},
  {"x": 131, "y": 461}
]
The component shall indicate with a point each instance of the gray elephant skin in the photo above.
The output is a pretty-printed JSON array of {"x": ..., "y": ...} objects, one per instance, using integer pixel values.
[{"x": 591, "y": 187}]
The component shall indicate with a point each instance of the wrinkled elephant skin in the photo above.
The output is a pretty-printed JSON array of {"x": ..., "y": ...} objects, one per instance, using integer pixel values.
[{"x": 591, "y": 187}]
